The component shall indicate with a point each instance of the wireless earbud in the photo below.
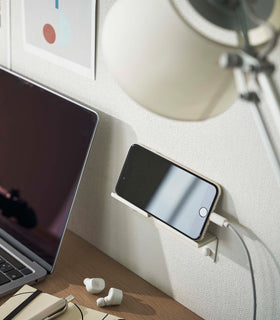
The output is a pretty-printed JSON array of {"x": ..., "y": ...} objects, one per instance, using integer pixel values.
[
  {"x": 114, "y": 297},
  {"x": 94, "y": 285}
]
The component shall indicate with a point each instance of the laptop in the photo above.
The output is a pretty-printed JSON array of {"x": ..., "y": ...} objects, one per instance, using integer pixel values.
[{"x": 45, "y": 139}]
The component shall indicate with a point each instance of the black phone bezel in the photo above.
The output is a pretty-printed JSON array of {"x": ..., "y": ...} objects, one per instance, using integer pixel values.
[{"x": 122, "y": 178}]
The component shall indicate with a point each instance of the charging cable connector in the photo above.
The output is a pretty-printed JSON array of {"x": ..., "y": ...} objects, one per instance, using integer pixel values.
[
  {"x": 219, "y": 220},
  {"x": 223, "y": 222}
]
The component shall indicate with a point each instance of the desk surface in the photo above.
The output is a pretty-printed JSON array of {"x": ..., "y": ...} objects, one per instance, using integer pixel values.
[{"x": 78, "y": 260}]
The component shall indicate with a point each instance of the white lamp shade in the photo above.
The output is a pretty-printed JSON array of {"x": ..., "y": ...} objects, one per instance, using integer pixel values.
[{"x": 162, "y": 63}]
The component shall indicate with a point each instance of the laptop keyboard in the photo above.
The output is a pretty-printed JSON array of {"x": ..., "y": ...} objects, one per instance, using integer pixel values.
[{"x": 11, "y": 268}]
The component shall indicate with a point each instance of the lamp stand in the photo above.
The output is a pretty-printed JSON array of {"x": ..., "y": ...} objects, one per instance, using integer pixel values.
[{"x": 245, "y": 67}]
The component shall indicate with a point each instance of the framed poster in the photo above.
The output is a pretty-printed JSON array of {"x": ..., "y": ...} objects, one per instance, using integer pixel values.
[{"x": 62, "y": 31}]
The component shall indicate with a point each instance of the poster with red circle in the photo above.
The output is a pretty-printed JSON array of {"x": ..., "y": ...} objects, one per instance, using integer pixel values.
[{"x": 62, "y": 31}]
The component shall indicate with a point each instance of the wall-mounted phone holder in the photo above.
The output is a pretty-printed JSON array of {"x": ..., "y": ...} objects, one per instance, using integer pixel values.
[{"x": 208, "y": 246}]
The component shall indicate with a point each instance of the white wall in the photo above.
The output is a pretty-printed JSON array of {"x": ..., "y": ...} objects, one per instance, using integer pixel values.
[{"x": 227, "y": 149}]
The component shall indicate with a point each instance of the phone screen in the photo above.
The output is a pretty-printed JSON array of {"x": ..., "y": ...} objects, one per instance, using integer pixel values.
[{"x": 174, "y": 195}]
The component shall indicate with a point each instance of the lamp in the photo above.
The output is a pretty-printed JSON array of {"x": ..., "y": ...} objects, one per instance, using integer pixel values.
[{"x": 165, "y": 55}]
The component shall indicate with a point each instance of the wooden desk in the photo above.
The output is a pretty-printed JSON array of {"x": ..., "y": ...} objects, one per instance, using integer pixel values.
[{"x": 78, "y": 260}]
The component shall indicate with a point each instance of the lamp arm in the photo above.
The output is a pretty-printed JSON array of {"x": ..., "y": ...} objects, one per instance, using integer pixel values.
[
  {"x": 267, "y": 141},
  {"x": 243, "y": 64},
  {"x": 272, "y": 98},
  {"x": 271, "y": 95}
]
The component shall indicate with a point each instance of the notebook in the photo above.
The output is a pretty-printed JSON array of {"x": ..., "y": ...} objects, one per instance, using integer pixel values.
[
  {"x": 73, "y": 312},
  {"x": 45, "y": 139}
]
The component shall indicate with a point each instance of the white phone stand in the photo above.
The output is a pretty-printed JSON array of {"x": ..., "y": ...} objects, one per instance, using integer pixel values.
[{"x": 208, "y": 246}]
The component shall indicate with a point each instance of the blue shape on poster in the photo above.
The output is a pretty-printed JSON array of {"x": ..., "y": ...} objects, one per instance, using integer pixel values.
[
  {"x": 64, "y": 30},
  {"x": 56, "y": 4}
]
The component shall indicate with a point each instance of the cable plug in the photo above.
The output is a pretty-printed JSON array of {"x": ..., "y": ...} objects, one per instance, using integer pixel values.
[{"x": 219, "y": 220}]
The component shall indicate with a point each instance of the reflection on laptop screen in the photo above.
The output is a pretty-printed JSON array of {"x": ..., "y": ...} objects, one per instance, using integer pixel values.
[{"x": 44, "y": 141}]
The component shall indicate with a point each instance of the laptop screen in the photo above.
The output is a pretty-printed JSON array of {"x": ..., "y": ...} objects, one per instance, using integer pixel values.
[{"x": 44, "y": 142}]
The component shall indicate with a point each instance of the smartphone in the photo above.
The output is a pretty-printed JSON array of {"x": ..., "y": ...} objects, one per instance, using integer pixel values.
[{"x": 169, "y": 192}]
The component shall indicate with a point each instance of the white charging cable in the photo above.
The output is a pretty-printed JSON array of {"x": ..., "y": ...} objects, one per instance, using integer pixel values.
[{"x": 223, "y": 222}]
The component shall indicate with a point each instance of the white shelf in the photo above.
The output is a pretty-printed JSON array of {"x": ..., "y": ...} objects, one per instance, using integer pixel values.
[{"x": 208, "y": 246}]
